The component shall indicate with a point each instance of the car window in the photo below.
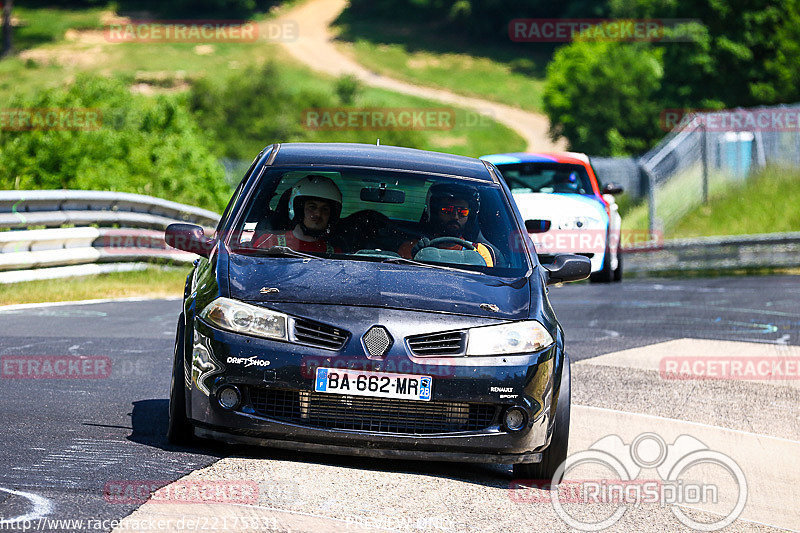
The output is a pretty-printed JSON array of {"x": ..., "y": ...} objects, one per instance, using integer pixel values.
[
  {"x": 385, "y": 216},
  {"x": 561, "y": 178}
]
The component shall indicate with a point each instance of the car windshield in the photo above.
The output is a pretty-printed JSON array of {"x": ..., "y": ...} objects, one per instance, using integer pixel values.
[
  {"x": 382, "y": 216},
  {"x": 562, "y": 178}
]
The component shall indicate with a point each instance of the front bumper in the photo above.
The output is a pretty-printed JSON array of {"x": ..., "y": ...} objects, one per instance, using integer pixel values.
[
  {"x": 525, "y": 381},
  {"x": 377, "y": 453}
]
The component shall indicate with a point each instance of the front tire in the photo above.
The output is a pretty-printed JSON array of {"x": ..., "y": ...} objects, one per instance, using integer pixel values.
[
  {"x": 605, "y": 274},
  {"x": 556, "y": 453},
  {"x": 618, "y": 270},
  {"x": 180, "y": 430}
]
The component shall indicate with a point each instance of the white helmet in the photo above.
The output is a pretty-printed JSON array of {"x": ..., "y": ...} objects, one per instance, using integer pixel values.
[{"x": 315, "y": 186}]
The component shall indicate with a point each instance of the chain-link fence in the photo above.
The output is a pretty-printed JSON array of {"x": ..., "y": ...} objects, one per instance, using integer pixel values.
[{"x": 712, "y": 151}]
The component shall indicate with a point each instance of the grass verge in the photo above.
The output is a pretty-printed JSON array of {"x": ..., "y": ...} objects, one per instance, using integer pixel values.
[
  {"x": 153, "y": 282},
  {"x": 425, "y": 54},
  {"x": 163, "y": 67},
  {"x": 766, "y": 203}
]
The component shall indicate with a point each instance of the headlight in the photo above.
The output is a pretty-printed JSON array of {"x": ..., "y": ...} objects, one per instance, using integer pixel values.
[
  {"x": 517, "y": 337},
  {"x": 245, "y": 318}
]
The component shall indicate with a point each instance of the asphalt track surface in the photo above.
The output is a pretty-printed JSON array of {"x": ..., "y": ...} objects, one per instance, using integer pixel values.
[{"x": 64, "y": 440}]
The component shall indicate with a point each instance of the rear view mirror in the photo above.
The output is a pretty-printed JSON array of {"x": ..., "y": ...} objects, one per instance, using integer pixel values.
[
  {"x": 537, "y": 226},
  {"x": 189, "y": 238},
  {"x": 567, "y": 267},
  {"x": 382, "y": 195}
]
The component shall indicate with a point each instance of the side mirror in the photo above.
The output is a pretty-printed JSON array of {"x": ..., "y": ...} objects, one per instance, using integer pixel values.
[
  {"x": 613, "y": 188},
  {"x": 567, "y": 267},
  {"x": 537, "y": 226},
  {"x": 189, "y": 238}
]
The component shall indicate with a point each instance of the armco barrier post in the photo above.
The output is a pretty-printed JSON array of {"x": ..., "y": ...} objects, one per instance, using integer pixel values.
[{"x": 704, "y": 157}]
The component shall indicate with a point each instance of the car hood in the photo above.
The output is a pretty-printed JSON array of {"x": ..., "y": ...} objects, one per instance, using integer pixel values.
[
  {"x": 362, "y": 283},
  {"x": 557, "y": 206}
]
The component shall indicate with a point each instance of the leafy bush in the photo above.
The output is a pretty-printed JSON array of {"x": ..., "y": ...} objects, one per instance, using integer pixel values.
[
  {"x": 144, "y": 145},
  {"x": 347, "y": 88},
  {"x": 599, "y": 95},
  {"x": 246, "y": 113}
]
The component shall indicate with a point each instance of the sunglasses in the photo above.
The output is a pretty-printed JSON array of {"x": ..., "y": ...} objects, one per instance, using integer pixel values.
[{"x": 450, "y": 210}]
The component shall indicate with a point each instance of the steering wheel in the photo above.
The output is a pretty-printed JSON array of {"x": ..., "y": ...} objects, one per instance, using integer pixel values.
[{"x": 425, "y": 243}]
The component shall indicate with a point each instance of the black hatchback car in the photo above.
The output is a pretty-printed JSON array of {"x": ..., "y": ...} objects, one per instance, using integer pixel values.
[{"x": 374, "y": 301}]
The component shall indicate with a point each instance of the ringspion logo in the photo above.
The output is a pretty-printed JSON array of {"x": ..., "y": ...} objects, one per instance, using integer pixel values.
[{"x": 675, "y": 484}]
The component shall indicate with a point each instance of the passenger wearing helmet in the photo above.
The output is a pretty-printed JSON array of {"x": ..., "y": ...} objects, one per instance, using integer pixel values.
[
  {"x": 315, "y": 204},
  {"x": 448, "y": 210}
]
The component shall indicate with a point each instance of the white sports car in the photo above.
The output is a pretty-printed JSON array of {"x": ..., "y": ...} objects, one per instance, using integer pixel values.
[{"x": 564, "y": 207}]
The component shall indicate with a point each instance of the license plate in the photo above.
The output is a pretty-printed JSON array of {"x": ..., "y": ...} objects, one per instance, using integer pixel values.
[{"x": 376, "y": 384}]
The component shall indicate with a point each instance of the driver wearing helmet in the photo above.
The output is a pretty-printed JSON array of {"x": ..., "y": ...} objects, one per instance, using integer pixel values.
[
  {"x": 315, "y": 204},
  {"x": 448, "y": 209}
]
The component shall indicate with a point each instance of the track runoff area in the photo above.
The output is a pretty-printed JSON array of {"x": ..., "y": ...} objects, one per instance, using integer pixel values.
[{"x": 684, "y": 417}]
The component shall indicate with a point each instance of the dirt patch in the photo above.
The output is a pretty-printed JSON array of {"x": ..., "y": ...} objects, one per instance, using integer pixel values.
[
  {"x": 423, "y": 62},
  {"x": 448, "y": 141},
  {"x": 86, "y": 36},
  {"x": 66, "y": 57},
  {"x": 204, "y": 49},
  {"x": 149, "y": 90},
  {"x": 159, "y": 82}
]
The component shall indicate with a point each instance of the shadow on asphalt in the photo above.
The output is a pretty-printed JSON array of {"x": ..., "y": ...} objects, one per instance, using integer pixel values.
[{"x": 149, "y": 420}]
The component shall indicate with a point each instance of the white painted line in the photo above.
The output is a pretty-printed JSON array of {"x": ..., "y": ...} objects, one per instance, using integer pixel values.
[
  {"x": 16, "y": 307},
  {"x": 91, "y": 268},
  {"x": 706, "y": 355},
  {"x": 698, "y": 424},
  {"x": 41, "y": 507}
]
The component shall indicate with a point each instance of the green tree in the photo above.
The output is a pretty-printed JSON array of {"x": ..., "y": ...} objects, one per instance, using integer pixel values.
[
  {"x": 599, "y": 96},
  {"x": 740, "y": 52},
  {"x": 7, "y": 45},
  {"x": 143, "y": 145}
]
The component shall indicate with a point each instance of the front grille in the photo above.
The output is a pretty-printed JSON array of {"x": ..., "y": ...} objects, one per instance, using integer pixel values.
[
  {"x": 320, "y": 335},
  {"x": 336, "y": 411},
  {"x": 450, "y": 343}
]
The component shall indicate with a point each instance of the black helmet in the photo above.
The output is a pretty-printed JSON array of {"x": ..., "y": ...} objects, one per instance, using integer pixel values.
[{"x": 442, "y": 192}]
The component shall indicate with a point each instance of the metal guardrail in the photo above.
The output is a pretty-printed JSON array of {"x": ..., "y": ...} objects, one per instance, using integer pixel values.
[
  {"x": 766, "y": 250},
  {"x": 55, "y": 208},
  {"x": 28, "y": 254},
  {"x": 56, "y": 252}
]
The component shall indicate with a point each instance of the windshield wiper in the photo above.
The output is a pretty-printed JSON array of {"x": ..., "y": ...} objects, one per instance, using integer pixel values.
[
  {"x": 285, "y": 251},
  {"x": 404, "y": 261}
]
